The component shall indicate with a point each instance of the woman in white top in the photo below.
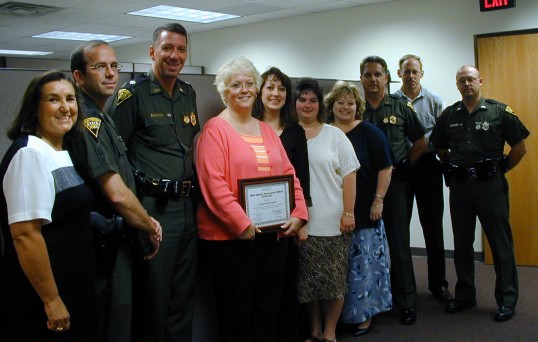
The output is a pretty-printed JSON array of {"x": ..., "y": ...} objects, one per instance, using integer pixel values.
[
  {"x": 323, "y": 256},
  {"x": 47, "y": 267}
]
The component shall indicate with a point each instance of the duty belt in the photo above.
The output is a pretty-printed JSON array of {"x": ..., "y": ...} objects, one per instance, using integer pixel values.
[
  {"x": 162, "y": 188},
  {"x": 483, "y": 169}
]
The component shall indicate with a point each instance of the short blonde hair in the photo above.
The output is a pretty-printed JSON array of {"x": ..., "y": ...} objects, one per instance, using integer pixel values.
[
  {"x": 343, "y": 88},
  {"x": 234, "y": 67}
]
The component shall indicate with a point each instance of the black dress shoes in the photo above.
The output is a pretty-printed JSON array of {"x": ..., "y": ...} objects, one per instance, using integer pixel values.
[
  {"x": 504, "y": 314},
  {"x": 457, "y": 306},
  {"x": 443, "y": 295},
  {"x": 363, "y": 331},
  {"x": 408, "y": 316}
]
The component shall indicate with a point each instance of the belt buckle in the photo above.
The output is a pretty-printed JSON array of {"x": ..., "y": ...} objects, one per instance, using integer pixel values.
[
  {"x": 472, "y": 175},
  {"x": 186, "y": 188}
]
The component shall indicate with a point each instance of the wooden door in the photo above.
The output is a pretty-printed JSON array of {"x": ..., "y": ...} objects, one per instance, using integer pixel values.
[{"x": 508, "y": 64}]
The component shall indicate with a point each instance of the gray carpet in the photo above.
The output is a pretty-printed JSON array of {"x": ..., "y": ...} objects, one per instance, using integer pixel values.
[{"x": 475, "y": 324}]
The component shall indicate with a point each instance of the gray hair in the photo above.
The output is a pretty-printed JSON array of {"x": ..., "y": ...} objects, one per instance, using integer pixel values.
[{"x": 234, "y": 67}]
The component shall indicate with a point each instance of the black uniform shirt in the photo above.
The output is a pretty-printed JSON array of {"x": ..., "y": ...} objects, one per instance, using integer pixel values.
[
  {"x": 398, "y": 121},
  {"x": 470, "y": 137},
  {"x": 157, "y": 129}
]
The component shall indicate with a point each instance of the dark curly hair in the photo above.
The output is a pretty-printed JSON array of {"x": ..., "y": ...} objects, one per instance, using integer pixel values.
[
  {"x": 307, "y": 84},
  {"x": 25, "y": 122}
]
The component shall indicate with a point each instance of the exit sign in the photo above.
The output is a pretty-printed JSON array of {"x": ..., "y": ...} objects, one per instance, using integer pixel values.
[{"x": 492, "y": 5}]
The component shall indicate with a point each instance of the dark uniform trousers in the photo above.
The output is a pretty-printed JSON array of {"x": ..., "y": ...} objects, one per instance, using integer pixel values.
[
  {"x": 426, "y": 185},
  {"x": 487, "y": 199},
  {"x": 114, "y": 293},
  {"x": 172, "y": 272},
  {"x": 396, "y": 219}
]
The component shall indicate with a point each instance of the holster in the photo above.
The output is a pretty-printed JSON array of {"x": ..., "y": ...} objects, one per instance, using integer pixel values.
[{"x": 107, "y": 236}]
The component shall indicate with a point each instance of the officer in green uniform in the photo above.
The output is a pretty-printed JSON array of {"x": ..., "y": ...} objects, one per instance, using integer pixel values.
[
  {"x": 99, "y": 156},
  {"x": 470, "y": 137},
  {"x": 157, "y": 118},
  {"x": 400, "y": 124}
]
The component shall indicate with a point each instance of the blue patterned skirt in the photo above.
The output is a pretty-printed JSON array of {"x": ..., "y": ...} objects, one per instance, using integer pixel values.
[{"x": 368, "y": 277}]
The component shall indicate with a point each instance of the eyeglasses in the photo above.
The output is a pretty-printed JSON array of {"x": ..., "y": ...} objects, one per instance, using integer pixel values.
[
  {"x": 236, "y": 87},
  {"x": 102, "y": 67}
]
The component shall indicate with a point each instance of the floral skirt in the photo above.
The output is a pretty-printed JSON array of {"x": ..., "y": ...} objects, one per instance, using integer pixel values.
[{"x": 368, "y": 277}]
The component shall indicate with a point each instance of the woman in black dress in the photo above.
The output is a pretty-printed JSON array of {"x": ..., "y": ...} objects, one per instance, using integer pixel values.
[
  {"x": 274, "y": 107},
  {"x": 47, "y": 267}
]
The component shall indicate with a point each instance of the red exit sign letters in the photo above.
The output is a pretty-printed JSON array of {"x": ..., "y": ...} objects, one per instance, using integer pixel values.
[{"x": 492, "y": 5}]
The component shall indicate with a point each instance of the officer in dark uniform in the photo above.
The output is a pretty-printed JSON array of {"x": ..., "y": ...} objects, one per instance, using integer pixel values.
[
  {"x": 99, "y": 156},
  {"x": 470, "y": 137},
  {"x": 157, "y": 118},
  {"x": 400, "y": 124}
]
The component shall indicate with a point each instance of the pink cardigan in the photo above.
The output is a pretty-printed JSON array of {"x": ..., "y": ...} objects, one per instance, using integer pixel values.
[{"x": 223, "y": 157}]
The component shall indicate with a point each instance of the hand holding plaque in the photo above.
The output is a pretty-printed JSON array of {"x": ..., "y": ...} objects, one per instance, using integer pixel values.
[{"x": 267, "y": 201}]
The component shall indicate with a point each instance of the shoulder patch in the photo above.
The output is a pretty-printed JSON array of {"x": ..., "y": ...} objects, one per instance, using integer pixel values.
[
  {"x": 509, "y": 110},
  {"x": 123, "y": 94},
  {"x": 93, "y": 125}
]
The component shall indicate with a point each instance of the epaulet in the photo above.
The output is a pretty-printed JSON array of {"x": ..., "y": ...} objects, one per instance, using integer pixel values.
[
  {"x": 92, "y": 124},
  {"x": 494, "y": 102},
  {"x": 128, "y": 88},
  {"x": 184, "y": 82},
  {"x": 506, "y": 107},
  {"x": 395, "y": 96}
]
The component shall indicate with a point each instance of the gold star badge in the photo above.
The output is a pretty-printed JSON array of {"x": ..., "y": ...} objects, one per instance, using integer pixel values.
[
  {"x": 123, "y": 95},
  {"x": 193, "y": 119},
  {"x": 392, "y": 119},
  {"x": 385, "y": 120},
  {"x": 93, "y": 125}
]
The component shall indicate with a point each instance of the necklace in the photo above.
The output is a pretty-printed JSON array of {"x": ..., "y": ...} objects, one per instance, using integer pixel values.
[{"x": 244, "y": 129}]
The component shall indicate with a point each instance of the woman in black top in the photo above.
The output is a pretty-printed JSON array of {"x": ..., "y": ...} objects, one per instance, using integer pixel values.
[{"x": 274, "y": 107}]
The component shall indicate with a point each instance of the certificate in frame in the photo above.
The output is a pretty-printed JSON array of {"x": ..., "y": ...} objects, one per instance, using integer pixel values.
[{"x": 267, "y": 201}]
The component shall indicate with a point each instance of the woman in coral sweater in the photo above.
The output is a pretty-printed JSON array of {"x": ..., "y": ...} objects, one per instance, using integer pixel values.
[{"x": 246, "y": 265}]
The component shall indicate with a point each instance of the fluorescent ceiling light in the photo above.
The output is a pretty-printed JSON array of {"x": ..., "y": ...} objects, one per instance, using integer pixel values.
[
  {"x": 183, "y": 14},
  {"x": 25, "y": 53},
  {"x": 79, "y": 36}
]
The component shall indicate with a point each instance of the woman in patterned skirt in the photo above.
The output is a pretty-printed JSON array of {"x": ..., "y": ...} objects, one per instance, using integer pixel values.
[
  {"x": 368, "y": 277},
  {"x": 323, "y": 256}
]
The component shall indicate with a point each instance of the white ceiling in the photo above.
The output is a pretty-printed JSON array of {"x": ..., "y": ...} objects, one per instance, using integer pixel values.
[{"x": 109, "y": 17}]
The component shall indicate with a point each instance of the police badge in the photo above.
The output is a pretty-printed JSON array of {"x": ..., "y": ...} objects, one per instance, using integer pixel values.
[{"x": 93, "y": 125}]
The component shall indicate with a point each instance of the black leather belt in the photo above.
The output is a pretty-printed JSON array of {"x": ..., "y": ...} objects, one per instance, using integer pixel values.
[
  {"x": 483, "y": 169},
  {"x": 167, "y": 188},
  {"x": 162, "y": 188}
]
